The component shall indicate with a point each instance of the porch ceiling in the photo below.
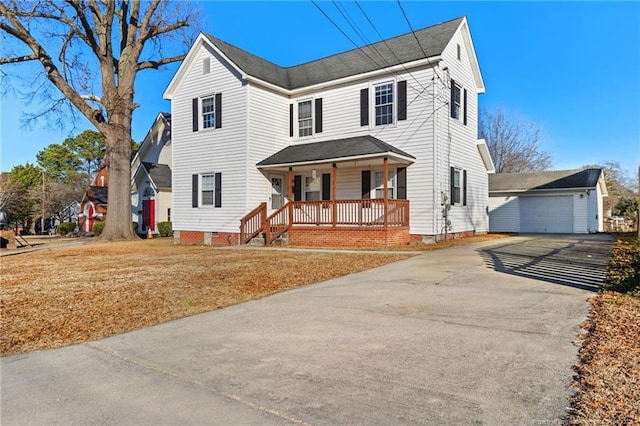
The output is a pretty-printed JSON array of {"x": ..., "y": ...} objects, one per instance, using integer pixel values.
[{"x": 359, "y": 148}]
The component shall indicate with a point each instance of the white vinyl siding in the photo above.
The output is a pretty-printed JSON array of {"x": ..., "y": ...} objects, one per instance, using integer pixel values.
[{"x": 200, "y": 153}]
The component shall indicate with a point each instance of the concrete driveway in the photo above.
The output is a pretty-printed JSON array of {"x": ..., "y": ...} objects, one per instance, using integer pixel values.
[{"x": 477, "y": 334}]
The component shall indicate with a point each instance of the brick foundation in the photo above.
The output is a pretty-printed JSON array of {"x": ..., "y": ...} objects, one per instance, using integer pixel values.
[
  {"x": 206, "y": 238},
  {"x": 348, "y": 236},
  {"x": 414, "y": 238}
]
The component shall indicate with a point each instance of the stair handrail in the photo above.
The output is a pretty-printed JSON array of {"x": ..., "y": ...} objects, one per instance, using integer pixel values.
[
  {"x": 270, "y": 235},
  {"x": 247, "y": 235}
]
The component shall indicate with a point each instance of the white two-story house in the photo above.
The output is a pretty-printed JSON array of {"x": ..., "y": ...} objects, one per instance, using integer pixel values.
[{"x": 377, "y": 145}]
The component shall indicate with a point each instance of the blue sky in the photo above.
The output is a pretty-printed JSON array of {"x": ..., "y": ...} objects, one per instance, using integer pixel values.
[{"x": 572, "y": 68}]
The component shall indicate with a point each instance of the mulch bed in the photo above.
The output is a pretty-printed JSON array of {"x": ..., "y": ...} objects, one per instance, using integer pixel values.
[{"x": 69, "y": 295}]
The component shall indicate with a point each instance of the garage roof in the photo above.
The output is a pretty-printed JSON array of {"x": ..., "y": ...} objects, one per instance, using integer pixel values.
[{"x": 558, "y": 179}]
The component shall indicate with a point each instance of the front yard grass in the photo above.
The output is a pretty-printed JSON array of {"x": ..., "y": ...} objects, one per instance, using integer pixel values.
[
  {"x": 608, "y": 373},
  {"x": 70, "y": 295}
]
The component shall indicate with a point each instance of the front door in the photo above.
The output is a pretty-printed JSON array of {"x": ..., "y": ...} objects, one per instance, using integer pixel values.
[
  {"x": 148, "y": 214},
  {"x": 277, "y": 197}
]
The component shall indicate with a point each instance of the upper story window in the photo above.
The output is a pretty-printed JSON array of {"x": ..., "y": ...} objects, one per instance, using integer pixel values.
[
  {"x": 305, "y": 120},
  {"x": 456, "y": 101},
  {"x": 208, "y": 112},
  {"x": 384, "y": 103}
]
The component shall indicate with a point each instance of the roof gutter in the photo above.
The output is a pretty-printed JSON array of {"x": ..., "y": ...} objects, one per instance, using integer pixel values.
[
  {"x": 341, "y": 159},
  {"x": 522, "y": 191}
]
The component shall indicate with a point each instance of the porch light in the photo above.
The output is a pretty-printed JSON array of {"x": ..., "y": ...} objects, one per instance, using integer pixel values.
[{"x": 313, "y": 174}]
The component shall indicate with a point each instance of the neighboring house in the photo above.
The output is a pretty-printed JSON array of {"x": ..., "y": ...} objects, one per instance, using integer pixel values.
[
  {"x": 370, "y": 146},
  {"x": 151, "y": 177},
  {"x": 93, "y": 207},
  {"x": 562, "y": 201}
]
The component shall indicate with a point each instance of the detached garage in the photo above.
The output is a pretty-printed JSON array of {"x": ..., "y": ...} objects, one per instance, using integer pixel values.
[{"x": 560, "y": 202}]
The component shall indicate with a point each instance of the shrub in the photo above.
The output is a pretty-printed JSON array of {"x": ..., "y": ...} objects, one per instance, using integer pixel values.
[
  {"x": 624, "y": 269},
  {"x": 98, "y": 227},
  {"x": 165, "y": 229},
  {"x": 135, "y": 226},
  {"x": 65, "y": 227}
]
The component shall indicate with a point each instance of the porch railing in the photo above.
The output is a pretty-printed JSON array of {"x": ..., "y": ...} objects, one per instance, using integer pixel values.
[
  {"x": 370, "y": 212},
  {"x": 253, "y": 223}
]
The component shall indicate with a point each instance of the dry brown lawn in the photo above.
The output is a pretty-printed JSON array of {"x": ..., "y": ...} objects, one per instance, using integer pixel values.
[
  {"x": 69, "y": 295},
  {"x": 608, "y": 375}
]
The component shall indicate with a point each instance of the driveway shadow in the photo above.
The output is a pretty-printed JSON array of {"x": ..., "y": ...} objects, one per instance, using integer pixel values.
[{"x": 573, "y": 261}]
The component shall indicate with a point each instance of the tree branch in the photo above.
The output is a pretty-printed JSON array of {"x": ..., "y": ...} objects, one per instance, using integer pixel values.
[
  {"x": 18, "y": 59},
  {"x": 156, "y": 64}
]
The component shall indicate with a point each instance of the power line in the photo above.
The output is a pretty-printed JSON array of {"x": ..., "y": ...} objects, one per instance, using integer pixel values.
[{"x": 411, "y": 28}]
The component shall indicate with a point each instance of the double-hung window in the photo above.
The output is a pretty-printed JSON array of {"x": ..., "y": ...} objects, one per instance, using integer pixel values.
[
  {"x": 208, "y": 188},
  {"x": 384, "y": 103},
  {"x": 456, "y": 101},
  {"x": 305, "y": 120},
  {"x": 456, "y": 196},
  {"x": 391, "y": 183},
  {"x": 208, "y": 112}
]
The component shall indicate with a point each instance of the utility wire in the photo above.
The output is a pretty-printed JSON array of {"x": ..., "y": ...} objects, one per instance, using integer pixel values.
[{"x": 411, "y": 28}]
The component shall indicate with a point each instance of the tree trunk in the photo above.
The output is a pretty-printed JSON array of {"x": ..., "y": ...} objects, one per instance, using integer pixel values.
[{"x": 118, "y": 140}]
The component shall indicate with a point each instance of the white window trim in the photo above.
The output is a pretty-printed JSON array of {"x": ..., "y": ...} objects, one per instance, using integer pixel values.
[
  {"x": 454, "y": 202},
  {"x": 461, "y": 103},
  {"x": 201, "y": 190},
  {"x": 392, "y": 183},
  {"x": 296, "y": 118},
  {"x": 372, "y": 103},
  {"x": 201, "y": 111}
]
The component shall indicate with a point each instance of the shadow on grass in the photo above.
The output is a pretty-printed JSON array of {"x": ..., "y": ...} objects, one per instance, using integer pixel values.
[{"x": 579, "y": 262}]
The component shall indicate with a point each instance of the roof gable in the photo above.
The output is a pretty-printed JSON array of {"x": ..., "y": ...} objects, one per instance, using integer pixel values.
[
  {"x": 550, "y": 180},
  {"x": 382, "y": 55}
]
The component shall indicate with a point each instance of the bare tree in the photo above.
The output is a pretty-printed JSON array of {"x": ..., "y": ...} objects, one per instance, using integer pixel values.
[
  {"x": 514, "y": 143},
  {"x": 100, "y": 46},
  {"x": 8, "y": 190}
]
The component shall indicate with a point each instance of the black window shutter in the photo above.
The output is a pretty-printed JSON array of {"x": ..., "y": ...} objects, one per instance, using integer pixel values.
[
  {"x": 319, "y": 115},
  {"x": 297, "y": 188},
  {"x": 218, "y": 111},
  {"x": 194, "y": 191},
  {"x": 364, "y": 107},
  {"x": 326, "y": 186},
  {"x": 452, "y": 190},
  {"x": 194, "y": 112},
  {"x": 464, "y": 110},
  {"x": 401, "y": 172},
  {"x": 218, "y": 190},
  {"x": 366, "y": 184},
  {"x": 402, "y": 100},
  {"x": 453, "y": 97},
  {"x": 291, "y": 120},
  {"x": 464, "y": 187}
]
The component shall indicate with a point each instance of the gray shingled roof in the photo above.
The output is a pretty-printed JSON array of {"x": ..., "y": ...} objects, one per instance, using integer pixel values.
[
  {"x": 401, "y": 49},
  {"x": 559, "y": 179},
  {"x": 329, "y": 150},
  {"x": 98, "y": 194},
  {"x": 159, "y": 173}
]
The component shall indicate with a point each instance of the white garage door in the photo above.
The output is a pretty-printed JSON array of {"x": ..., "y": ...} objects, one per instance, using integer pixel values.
[{"x": 553, "y": 214}]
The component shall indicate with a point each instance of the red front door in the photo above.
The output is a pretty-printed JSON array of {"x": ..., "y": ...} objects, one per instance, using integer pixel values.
[{"x": 148, "y": 214}]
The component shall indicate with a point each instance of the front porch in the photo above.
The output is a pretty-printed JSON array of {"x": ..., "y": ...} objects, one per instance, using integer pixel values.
[
  {"x": 371, "y": 209},
  {"x": 331, "y": 222}
]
